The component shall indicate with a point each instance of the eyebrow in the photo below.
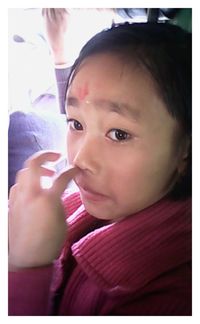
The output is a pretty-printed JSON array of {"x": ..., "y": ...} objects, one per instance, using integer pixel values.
[{"x": 120, "y": 108}]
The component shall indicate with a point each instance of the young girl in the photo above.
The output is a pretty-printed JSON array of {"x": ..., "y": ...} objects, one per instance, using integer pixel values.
[{"x": 125, "y": 248}]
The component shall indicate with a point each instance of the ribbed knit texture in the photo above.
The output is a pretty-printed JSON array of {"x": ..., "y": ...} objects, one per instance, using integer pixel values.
[
  {"x": 23, "y": 288},
  {"x": 157, "y": 238},
  {"x": 138, "y": 266},
  {"x": 145, "y": 254}
]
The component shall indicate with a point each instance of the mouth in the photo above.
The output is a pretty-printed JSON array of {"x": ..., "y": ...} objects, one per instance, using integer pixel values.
[{"x": 88, "y": 194}]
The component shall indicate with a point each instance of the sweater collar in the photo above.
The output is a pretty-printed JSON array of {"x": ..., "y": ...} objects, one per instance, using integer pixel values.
[{"x": 128, "y": 254}]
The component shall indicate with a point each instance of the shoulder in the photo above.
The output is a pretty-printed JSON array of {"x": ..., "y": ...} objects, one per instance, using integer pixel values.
[{"x": 167, "y": 295}]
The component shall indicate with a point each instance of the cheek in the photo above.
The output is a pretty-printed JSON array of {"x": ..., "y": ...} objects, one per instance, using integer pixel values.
[
  {"x": 139, "y": 173},
  {"x": 124, "y": 170}
]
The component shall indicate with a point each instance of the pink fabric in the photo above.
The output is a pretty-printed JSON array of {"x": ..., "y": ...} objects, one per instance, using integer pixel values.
[
  {"x": 138, "y": 266},
  {"x": 23, "y": 289}
]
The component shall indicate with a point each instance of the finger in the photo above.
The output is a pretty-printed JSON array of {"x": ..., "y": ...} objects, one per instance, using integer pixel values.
[
  {"x": 46, "y": 171},
  {"x": 21, "y": 176},
  {"x": 42, "y": 171},
  {"x": 62, "y": 12},
  {"x": 53, "y": 14},
  {"x": 60, "y": 15},
  {"x": 44, "y": 12},
  {"x": 29, "y": 180},
  {"x": 63, "y": 180},
  {"x": 13, "y": 193},
  {"x": 40, "y": 158},
  {"x": 13, "y": 198},
  {"x": 47, "y": 14}
]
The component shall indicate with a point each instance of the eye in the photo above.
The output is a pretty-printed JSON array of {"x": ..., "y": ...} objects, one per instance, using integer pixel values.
[
  {"x": 118, "y": 135},
  {"x": 74, "y": 124}
]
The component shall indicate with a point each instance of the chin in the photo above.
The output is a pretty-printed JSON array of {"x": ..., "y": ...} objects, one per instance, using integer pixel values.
[
  {"x": 100, "y": 212},
  {"x": 103, "y": 212}
]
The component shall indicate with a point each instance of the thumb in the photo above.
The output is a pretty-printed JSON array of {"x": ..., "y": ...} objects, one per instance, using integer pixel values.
[{"x": 63, "y": 180}]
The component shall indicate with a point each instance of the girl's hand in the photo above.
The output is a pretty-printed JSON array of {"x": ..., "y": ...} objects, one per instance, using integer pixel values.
[
  {"x": 56, "y": 21},
  {"x": 37, "y": 226}
]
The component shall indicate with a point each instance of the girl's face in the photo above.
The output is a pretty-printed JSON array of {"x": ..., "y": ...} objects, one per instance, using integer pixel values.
[{"x": 121, "y": 137}]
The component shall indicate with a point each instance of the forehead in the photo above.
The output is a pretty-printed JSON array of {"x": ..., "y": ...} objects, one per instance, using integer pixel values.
[
  {"x": 106, "y": 77},
  {"x": 109, "y": 74}
]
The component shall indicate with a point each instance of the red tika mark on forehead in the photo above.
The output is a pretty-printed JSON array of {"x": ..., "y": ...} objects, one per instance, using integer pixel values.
[{"x": 83, "y": 92}]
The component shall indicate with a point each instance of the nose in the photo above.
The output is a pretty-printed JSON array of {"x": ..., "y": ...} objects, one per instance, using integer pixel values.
[{"x": 87, "y": 155}]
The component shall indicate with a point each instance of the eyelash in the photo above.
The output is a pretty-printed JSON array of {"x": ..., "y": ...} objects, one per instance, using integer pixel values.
[
  {"x": 74, "y": 124},
  {"x": 121, "y": 136}
]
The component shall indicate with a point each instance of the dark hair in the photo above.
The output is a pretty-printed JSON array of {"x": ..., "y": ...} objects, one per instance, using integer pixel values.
[{"x": 164, "y": 50}]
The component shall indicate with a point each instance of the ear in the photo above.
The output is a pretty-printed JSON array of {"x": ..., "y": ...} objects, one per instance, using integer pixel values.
[{"x": 184, "y": 155}]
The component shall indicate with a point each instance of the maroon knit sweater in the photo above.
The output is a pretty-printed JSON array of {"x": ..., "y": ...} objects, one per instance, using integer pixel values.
[{"x": 138, "y": 266}]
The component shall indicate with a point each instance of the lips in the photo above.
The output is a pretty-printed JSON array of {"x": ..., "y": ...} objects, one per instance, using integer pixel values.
[{"x": 89, "y": 194}]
